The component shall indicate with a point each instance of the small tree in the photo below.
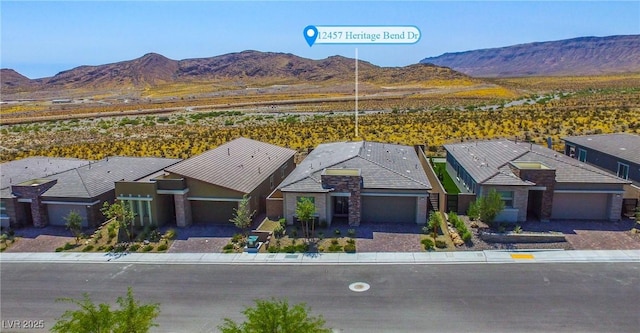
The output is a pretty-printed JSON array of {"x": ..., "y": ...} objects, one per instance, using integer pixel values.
[
  {"x": 122, "y": 214},
  {"x": 490, "y": 206},
  {"x": 474, "y": 210},
  {"x": 305, "y": 209},
  {"x": 90, "y": 318},
  {"x": 74, "y": 223},
  {"x": 242, "y": 216},
  {"x": 434, "y": 223},
  {"x": 276, "y": 316}
]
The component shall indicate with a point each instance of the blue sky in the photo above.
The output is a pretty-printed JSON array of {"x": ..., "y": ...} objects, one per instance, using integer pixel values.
[{"x": 40, "y": 39}]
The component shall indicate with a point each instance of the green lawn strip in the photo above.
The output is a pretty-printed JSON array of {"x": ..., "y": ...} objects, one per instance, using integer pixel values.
[{"x": 448, "y": 183}]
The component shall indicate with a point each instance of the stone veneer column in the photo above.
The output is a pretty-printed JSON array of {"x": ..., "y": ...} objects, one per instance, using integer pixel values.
[
  {"x": 351, "y": 185},
  {"x": 615, "y": 209},
  {"x": 33, "y": 191},
  {"x": 543, "y": 178},
  {"x": 183, "y": 210}
]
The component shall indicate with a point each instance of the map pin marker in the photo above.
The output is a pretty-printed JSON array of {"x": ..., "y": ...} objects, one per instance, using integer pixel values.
[{"x": 310, "y": 34}]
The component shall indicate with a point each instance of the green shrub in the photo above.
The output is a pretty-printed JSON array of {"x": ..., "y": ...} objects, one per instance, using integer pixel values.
[
  {"x": 236, "y": 238},
  {"x": 109, "y": 248},
  {"x": 87, "y": 248},
  {"x": 335, "y": 248},
  {"x": 229, "y": 246},
  {"x": 350, "y": 248},
  {"x": 466, "y": 236},
  {"x": 337, "y": 232},
  {"x": 334, "y": 242},
  {"x": 121, "y": 247},
  {"x": 517, "y": 229},
  {"x": 351, "y": 241},
  {"x": 112, "y": 234},
  {"x": 283, "y": 223},
  {"x": 154, "y": 235},
  {"x": 321, "y": 235},
  {"x": 101, "y": 248},
  {"x": 67, "y": 246},
  {"x": 147, "y": 248},
  {"x": 351, "y": 232},
  {"x": 441, "y": 244},
  {"x": 163, "y": 247},
  {"x": 171, "y": 234},
  {"x": 428, "y": 244},
  {"x": 134, "y": 247},
  {"x": 278, "y": 231},
  {"x": 474, "y": 211},
  {"x": 59, "y": 249}
]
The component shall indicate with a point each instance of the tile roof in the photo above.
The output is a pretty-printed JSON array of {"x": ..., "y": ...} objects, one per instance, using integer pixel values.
[
  {"x": 382, "y": 166},
  {"x": 99, "y": 177},
  {"x": 15, "y": 172},
  {"x": 240, "y": 165},
  {"x": 622, "y": 145},
  {"x": 486, "y": 162}
]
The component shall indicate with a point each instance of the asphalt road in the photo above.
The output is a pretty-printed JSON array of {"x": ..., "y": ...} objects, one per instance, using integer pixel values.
[{"x": 584, "y": 297}]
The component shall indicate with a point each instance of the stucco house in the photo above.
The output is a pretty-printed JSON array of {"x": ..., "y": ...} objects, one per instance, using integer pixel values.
[
  {"x": 50, "y": 188},
  {"x": 360, "y": 182},
  {"x": 208, "y": 187},
  {"x": 535, "y": 182}
]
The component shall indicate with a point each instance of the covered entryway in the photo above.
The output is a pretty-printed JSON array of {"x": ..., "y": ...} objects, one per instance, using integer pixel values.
[
  {"x": 212, "y": 212},
  {"x": 580, "y": 206},
  {"x": 58, "y": 212},
  {"x": 388, "y": 209}
]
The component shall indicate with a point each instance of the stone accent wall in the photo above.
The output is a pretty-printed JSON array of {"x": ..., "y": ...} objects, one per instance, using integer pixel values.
[
  {"x": 615, "y": 207},
  {"x": 421, "y": 209},
  {"x": 39, "y": 214},
  {"x": 183, "y": 210},
  {"x": 541, "y": 177},
  {"x": 347, "y": 184}
]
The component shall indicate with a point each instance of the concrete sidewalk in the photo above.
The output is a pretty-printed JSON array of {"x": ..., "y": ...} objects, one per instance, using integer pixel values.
[{"x": 494, "y": 256}]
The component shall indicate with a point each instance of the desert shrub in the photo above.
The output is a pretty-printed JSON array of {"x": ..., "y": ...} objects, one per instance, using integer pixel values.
[
  {"x": 87, "y": 248},
  {"x": 236, "y": 238},
  {"x": 334, "y": 242},
  {"x": 171, "y": 234},
  {"x": 59, "y": 249},
  {"x": 294, "y": 232},
  {"x": 428, "y": 244},
  {"x": 351, "y": 241},
  {"x": 441, "y": 244},
  {"x": 163, "y": 247},
  {"x": 109, "y": 248},
  {"x": 350, "y": 248},
  {"x": 67, "y": 246},
  {"x": 351, "y": 232},
  {"x": 134, "y": 247},
  {"x": 466, "y": 236},
  {"x": 154, "y": 235},
  {"x": 474, "y": 211},
  {"x": 517, "y": 229},
  {"x": 101, "y": 248},
  {"x": 147, "y": 248},
  {"x": 337, "y": 232},
  {"x": 229, "y": 246},
  {"x": 278, "y": 231},
  {"x": 335, "y": 248},
  {"x": 321, "y": 235},
  {"x": 120, "y": 247}
]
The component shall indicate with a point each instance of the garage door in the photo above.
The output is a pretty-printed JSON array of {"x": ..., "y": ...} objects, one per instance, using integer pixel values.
[
  {"x": 57, "y": 213},
  {"x": 216, "y": 212},
  {"x": 388, "y": 209},
  {"x": 580, "y": 206}
]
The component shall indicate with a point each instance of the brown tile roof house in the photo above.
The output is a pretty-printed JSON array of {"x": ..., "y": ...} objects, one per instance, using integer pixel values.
[
  {"x": 48, "y": 199},
  {"x": 535, "y": 180},
  {"x": 362, "y": 181},
  {"x": 207, "y": 188}
]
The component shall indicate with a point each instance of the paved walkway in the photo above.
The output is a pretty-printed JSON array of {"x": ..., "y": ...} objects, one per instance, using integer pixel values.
[{"x": 470, "y": 257}]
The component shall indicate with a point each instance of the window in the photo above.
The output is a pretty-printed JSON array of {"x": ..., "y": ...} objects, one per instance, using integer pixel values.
[
  {"x": 623, "y": 170},
  {"x": 3, "y": 210},
  {"x": 582, "y": 155},
  {"x": 284, "y": 169},
  {"x": 572, "y": 152},
  {"x": 271, "y": 181},
  {"x": 507, "y": 198}
]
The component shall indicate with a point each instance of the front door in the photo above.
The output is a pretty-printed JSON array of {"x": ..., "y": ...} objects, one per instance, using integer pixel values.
[{"x": 341, "y": 206}]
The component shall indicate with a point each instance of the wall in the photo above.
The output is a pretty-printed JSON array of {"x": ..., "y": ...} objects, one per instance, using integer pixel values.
[
  {"x": 520, "y": 200},
  {"x": 608, "y": 162},
  {"x": 320, "y": 200},
  {"x": 347, "y": 184}
]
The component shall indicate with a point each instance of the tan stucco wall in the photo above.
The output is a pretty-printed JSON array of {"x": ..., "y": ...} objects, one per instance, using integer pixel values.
[{"x": 320, "y": 200}]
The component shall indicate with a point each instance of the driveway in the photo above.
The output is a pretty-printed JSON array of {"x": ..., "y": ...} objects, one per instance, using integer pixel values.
[
  {"x": 45, "y": 239},
  {"x": 592, "y": 235}
]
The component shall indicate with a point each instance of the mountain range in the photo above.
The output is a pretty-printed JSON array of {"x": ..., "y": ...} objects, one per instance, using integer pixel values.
[
  {"x": 578, "y": 56},
  {"x": 569, "y": 57},
  {"x": 249, "y": 67}
]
